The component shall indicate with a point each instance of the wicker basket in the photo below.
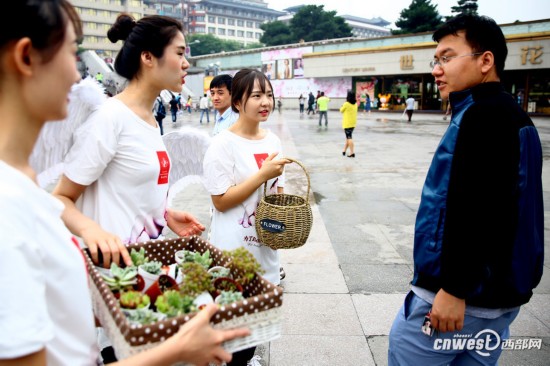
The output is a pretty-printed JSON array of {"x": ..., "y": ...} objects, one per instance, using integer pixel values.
[
  {"x": 261, "y": 311},
  {"x": 283, "y": 221}
]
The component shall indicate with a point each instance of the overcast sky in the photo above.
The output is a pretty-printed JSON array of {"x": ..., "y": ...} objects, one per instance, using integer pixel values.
[{"x": 502, "y": 11}]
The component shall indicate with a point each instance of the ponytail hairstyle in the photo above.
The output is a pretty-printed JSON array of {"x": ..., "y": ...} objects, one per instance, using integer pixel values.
[
  {"x": 43, "y": 21},
  {"x": 351, "y": 98},
  {"x": 149, "y": 34}
]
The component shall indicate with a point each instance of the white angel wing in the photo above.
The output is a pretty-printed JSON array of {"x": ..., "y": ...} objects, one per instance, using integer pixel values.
[
  {"x": 186, "y": 148},
  {"x": 56, "y": 138}
]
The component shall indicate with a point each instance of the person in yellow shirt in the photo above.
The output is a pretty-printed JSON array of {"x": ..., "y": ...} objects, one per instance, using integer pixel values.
[
  {"x": 322, "y": 104},
  {"x": 349, "y": 121}
]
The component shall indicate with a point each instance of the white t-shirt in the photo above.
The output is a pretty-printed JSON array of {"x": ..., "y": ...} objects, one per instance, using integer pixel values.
[
  {"x": 229, "y": 161},
  {"x": 46, "y": 301},
  {"x": 410, "y": 103},
  {"x": 123, "y": 161}
]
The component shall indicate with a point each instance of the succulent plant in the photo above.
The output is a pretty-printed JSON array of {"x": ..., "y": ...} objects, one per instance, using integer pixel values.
[
  {"x": 138, "y": 258},
  {"x": 229, "y": 297},
  {"x": 142, "y": 316},
  {"x": 153, "y": 267},
  {"x": 195, "y": 279},
  {"x": 133, "y": 300},
  {"x": 243, "y": 265},
  {"x": 173, "y": 303},
  {"x": 195, "y": 257},
  {"x": 121, "y": 278}
]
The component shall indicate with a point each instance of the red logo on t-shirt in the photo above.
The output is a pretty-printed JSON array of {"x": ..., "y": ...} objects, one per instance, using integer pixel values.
[
  {"x": 260, "y": 159},
  {"x": 164, "y": 164}
]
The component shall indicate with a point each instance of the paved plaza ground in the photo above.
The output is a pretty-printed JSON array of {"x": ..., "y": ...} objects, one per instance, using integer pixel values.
[{"x": 345, "y": 286}]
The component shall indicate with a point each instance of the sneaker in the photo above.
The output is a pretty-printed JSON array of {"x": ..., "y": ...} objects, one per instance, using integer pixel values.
[
  {"x": 254, "y": 361},
  {"x": 282, "y": 273}
]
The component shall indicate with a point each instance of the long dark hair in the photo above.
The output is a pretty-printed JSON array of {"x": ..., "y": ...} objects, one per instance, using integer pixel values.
[
  {"x": 350, "y": 98},
  {"x": 43, "y": 21},
  {"x": 151, "y": 33}
]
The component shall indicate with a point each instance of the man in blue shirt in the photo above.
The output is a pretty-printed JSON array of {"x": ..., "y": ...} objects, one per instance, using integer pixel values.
[{"x": 220, "y": 93}]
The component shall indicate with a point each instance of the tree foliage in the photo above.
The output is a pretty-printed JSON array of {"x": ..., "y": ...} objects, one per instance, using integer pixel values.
[
  {"x": 310, "y": 23},
  {"x": 420, "y": 16},
  {"x": 465, "y": 7},
  {"x": 209, "y": 43},
  {"x": 276, "y": 33}
]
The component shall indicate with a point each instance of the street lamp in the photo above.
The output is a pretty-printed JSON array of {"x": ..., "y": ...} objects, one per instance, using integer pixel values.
[{"x": 213, "y": 68}]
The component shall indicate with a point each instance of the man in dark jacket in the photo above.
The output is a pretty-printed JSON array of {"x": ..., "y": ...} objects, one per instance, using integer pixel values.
[{"x": 478, "y": 245}]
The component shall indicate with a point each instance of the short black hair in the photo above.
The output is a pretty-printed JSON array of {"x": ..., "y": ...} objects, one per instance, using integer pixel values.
[
  {"x": 222, "y": 80},
  {"x": 243, "y": 85},
  {"x": 482, "y": 34},
  {"x": 350, "y": 98}
]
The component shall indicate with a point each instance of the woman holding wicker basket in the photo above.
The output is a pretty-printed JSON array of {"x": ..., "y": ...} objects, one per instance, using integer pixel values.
[{"x": 237, "y": 164}]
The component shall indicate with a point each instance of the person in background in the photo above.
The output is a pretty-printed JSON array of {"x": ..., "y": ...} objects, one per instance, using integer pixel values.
[
  {"x": 220, "y": 93},
  {"x": 174, "y": 108},
  {"x": 301, "y": 102},
  {"x": 159, "y": 111},
  {"x": 349, "y": 121},
  {"x": 322, "y": 105},
  {"x": 310, "y": 103},
  {"x": 409, "y": 108},
  {"x": 189, "y": 104},
  {"x": 238, "y": 162},
  {"x": 49, "y": 320},
  {"x": 204, "y": 107},
  {"x": 474, "y": 264}
]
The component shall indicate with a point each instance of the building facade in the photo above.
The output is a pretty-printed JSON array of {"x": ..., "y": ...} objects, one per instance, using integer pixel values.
[{"x": 390, "y": 69}]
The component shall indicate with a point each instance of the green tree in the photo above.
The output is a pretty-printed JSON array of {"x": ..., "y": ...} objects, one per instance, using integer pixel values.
[
  {"x": 313, "y": 23},
  {"x": 310, "y": 23},
  {"x": 276, "y": 33},
  {"x": 208, "y": 43},
  {"x": 465, "y": 7},
  {"x": 420, "y": 16}
]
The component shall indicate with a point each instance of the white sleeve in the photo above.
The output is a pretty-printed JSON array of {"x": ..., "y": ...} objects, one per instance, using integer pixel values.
[
  {"x": 95, "y": 145},
  {"x": 218, "y": 167}
]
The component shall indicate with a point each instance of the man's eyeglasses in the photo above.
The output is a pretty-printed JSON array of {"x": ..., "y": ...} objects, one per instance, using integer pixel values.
[{"x": 442, "y": 61}]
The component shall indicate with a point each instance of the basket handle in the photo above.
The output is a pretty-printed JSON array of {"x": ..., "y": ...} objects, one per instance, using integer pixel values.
[{"x": 307, "y": 176}]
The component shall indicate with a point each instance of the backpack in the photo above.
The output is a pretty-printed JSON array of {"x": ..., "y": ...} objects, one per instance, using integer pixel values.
[{"x": 161, "y": 111}]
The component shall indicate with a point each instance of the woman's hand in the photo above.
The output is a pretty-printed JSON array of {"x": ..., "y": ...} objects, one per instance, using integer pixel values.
[
  {"x": 272, "y": 167},
  {"x": 111, "y": 247},
  {"x": 183, "y": 223}
]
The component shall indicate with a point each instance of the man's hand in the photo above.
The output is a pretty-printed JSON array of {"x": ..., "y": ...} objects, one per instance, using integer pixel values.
[
  {"x": 183, "y": 223},
  {"x": 447, "y": 312}
]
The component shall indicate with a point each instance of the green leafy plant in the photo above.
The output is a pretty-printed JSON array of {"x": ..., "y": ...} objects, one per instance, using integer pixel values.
[
  {"x": 133, "y": 300},
  {"x": 219, "y": 271},
  {"x": 153, "y": 267},
  {"x": 173, "y": 303},
  {"x": 195, "y": 279},
  {"x": 229, "y": 297},
  {"x": 142, "y": 316},
  {"x": 243, "y": 265},
  {"x": 195, "y": 257},
  {"x": 122, "y": 278},
  {"x": 138, "y": 258}
]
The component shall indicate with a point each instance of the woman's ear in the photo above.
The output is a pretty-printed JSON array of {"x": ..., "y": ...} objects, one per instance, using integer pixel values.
[
  {"x": 24, "y": 56},
  {"x": 147, "y": 58}
]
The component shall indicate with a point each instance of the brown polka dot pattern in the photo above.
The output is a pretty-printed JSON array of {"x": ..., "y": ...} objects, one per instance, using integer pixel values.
[{"x": 261, "y": 294}]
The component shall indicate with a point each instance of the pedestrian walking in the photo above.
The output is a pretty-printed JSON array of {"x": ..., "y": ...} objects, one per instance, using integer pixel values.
[
  {"x": 159, "y": 111},
  {"x": 238, "y": 162},
  {"x": 322, "y": 105},
  {"x": 310, "y": 103},
  {"x": 474, "y": 265},
  {"x": 174, "y": 108},
  {"x": 301, "y": 102},
  {"x": 49, "y": 320},
  {"x": 349, "y": 121},
  {"x": 409, "y": 108},
  {"x": 205, "y": 108}
]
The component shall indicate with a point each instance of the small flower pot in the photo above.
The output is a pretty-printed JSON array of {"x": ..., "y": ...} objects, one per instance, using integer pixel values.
[
  {"x": 226, "y": 284},
  {"x": 179, "y": 256},
  {"x": 148, "y": 278},
  {"x": 219, "y": 271},
  {"x": 163, "y": 283},
  {"x": 202, "y": 300}
]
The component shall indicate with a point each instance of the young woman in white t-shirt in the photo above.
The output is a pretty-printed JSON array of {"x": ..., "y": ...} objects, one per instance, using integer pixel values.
[
  {"x": 115, "y": 180},
  {"x": 46, "y": 312},
  {"x": 238, "y": 162}
]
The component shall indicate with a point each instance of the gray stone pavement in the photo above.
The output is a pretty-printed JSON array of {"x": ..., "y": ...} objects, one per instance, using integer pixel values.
[{"x": 345, "y": 286}]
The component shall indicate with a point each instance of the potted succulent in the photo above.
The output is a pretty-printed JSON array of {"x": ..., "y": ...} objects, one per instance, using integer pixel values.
[
  {"x": 196, "y": 279},
  {"x": 133, "y": 300},
  {"x": 150, "y": 271},
  {"x": 120, "y": 278},
  {"x": 143, "y": 316},
  {"x": 228, "y": 297},
  {"x": 227, "y": 284},
  {"x": 243, "y": 265},
  {"x": 173, "y": 303},
  {"x": 163, "y": 284},
  {"x": 219, "y": 271},
  {"x": 138, "y": 258},
  {"x": 183, "y": 256}
]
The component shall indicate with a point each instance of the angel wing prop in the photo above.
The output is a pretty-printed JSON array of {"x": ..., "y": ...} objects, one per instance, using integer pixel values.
[
  {"x": 186, "y": 148},
  {"x": 56, "y": 138}
]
